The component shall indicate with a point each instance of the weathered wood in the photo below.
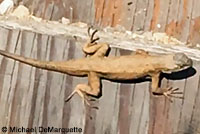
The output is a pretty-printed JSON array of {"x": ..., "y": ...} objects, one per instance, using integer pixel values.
[
  {"x": 107, "y": 123},
  {"x": 32, "y": 97},
  {"x": 149, "y": 15},
  {"x": 195, "y": 24},
  {"x": 173, "y": 12},
  {"x": 140, "y": 109},
  {"x": 195, "y": 123},
  {"x": 174, "y": 110},
  {"x": 108, "y": 13},
  {"x": 189, "y": 102},
  {"x": 67, "y": 82},
  {"x": 127, "y": 16},
  {"x": 185, "y": 18},
  {"x": 162, "y": 15},
  {"x": 39, "y": 94},
  {"x": 175, "y": 17},
  {"x": 140, "y": 15},
  {"x": 123, "y": 40}
]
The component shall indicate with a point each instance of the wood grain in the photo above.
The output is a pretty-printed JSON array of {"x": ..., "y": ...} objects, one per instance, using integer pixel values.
[{"x": 32, "y": 97}]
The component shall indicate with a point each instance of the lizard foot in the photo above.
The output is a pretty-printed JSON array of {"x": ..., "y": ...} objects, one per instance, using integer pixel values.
[
  {"x": 84, "y": 97},
  {"x": 170, "y": 92}
]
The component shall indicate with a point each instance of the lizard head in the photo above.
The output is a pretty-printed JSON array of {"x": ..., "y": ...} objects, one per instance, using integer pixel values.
[
  {"x": 182, "y": 61},
  {"x": 176, "y": 62}
]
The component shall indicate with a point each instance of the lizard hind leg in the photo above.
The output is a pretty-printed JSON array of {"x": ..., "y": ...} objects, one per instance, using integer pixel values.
[
  {"x": 78, "y": 91},
  {"x": 92, "y": 89},
  {"x": 81, "y": 90},
  {"x": 70, "y": 96}
]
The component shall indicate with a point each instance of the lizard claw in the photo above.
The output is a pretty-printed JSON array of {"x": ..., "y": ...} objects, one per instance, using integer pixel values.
[
  {"x": 172, "y": 93},
  {"x": 70, "y": 96},
  {"x": 83, "y": 96},
  {"x": 86, "y": 100}
]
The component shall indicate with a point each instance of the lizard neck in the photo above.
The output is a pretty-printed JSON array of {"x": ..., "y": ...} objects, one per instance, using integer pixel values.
[{"x": 167, "y": 63}]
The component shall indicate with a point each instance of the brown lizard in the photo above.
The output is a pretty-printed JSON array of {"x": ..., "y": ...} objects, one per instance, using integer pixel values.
[{"x": 97, "y": 66}]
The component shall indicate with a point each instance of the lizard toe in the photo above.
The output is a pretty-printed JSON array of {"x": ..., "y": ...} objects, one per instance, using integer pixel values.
[{"x": 172, "y": 93}]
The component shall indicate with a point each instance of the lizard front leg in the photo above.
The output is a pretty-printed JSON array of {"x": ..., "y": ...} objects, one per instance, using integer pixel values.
[
  {"x": 91, "y": 89},
  {"x": 167, "y": 92},
  {"x": 98, "y": 50},
  {"x": 93, "y": 48}
]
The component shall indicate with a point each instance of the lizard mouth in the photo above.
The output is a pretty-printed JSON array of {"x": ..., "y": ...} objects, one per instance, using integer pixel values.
[
  {"x": 182, "y": 68},
  {"x": 176, "y": 70}
]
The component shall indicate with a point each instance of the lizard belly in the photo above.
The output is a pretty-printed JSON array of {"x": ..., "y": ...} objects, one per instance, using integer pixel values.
[{"x": 122, "y": 76}]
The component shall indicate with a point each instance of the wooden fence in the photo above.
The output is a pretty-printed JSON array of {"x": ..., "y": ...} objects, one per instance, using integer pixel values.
[
  {"x": 180, "y": 18},
  {"x": 32, "y": 97}
]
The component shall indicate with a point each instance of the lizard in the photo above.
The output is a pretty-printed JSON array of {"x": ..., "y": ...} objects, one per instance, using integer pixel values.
[{"x": 96, "y": 65}]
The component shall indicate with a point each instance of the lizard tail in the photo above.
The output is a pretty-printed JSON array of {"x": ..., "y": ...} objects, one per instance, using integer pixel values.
[{"x": 47, "y": 65}]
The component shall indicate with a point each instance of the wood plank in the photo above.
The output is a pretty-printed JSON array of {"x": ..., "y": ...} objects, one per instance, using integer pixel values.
[
  {"x": 131, "y": 108},
  {"x": 99, "y": 7},
  {"x": 172, "y": 19},
  {"x": 38, "y": 7},
  {"x": 188, "y": 102},
  {"x": 139, "y": 111},
  {"x": 163, "y": 15},
  {"x": 24, "y": 71},
  {"x": 67, "y": 83},
  {"x": 124, "y": 103},
  {"x": 184, "y": 18},
  {"x": 38, "y": 81},
  {"x": 8, "y": 88},
  {"x": 124, "y": 120},
  {"x": 195, "y": 123},
  {"x": 108, "y": 13},
  {"x": 195, "y": 24},
  {"x": 174, "y": 109},
  {"x": 76, "y": 11},
  {"x": 54, "y": 86},
  {"x": 107, "y": 123},
  {"x": 149, "y": 15},
  {"x": 6, "y": 72},
  {"x": 76, "y": 103},
  {"x": 85, "y": 12},
  {"x": 140, "y": 14},
  {"x": 156, "y": 11},
  {"x": 158, "y": 111},
  {"x": 128, "y": 13},
  {"x": 48, "y": 10},
  {"x": 4, "y": 34},
  {"x": 16, "y": 117}
]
